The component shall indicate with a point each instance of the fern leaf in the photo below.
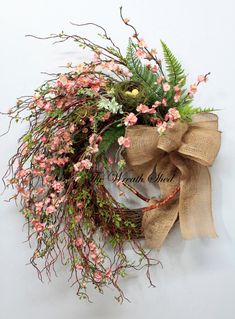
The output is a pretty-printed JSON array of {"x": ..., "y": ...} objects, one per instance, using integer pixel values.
[
  {"x": 140, "y": 72},
  {"x": 173, "y": 67},
  {"x": 187, "y": 111}
]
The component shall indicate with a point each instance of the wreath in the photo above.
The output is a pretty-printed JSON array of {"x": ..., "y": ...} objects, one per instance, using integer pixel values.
[{"x": 140, "y": 109}]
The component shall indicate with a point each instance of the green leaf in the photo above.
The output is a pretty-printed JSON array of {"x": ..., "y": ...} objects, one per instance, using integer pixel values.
[
  {"x": 109, "y": 137},
  {"x": 173, "y": 67},
  {"x": 110, "y": 105}
]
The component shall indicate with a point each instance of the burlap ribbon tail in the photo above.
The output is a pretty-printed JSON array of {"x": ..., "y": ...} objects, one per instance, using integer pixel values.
[{"x": 185, "y": 151}]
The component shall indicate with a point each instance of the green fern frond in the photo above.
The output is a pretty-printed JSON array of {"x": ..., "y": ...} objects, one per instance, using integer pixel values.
[
  {"x": 187, "y": 111},
  {"x": 141, "y": 72},
  {"x": 173, "y": 67}
]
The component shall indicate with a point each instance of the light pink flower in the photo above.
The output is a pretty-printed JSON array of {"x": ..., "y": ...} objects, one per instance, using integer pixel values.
[
  {"x": 57, "y": 186},
  {"x": 141, "y": 43},
  {"x": 202, "y": 78},
  {"x": 110, "y": 160},
  {"x": 161, "y": 127},
  {"x": 62, "y": 79},
  {"x": 192, "y": 89},
  {"x": 80, "y": 205},
  {"x": 93, "y": 149},
  {"x": 48, "y": 107},
  {"x": 84, "y": 164},
  {"x": 108, "y": 273},
  {"x": 78, "y": 217},
  {"x": 140, "y": 53},
  {"x": 156, "y": 104},
  {"x": 39, "y": 227},
  {"x": 160, "y": 79},
  {"x": 155, "y": 68},
  {"x": 126, "y": 20},
  {"x": 142, "y": 108},
  {"x": 106, "y": 116},
  {"x": 98, "y": 276},
  {"x": 172, "y": 114},
  {"x": 78, "y": 267},
  {"x": 50, "y": 209},
  {"x": 130, "y": 120},
  {"x": 166, "y": 87},
  {"x": 92, "y": 246},
  {"x": 79, "y": 242},
  {"x": 125, "y": 141},
  {"x": 164, "y": 102},
  {"x": 39, "y": 206}
]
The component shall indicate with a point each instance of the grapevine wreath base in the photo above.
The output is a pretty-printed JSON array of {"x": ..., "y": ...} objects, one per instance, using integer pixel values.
[{"x": 132, "y": 102}]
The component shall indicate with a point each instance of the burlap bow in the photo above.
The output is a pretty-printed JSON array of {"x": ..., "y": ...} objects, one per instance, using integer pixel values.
[{"x": 185, "y": 151}]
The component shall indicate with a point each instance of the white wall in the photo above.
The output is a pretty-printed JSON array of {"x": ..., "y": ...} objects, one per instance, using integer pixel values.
[{"x": 198, "y": 278}]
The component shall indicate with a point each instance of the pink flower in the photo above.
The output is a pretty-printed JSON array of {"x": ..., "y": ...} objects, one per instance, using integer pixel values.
[
  {"x": 166, "y": 87},
  {"x": 92, "y": 246},
  {"x": 160, "y": 79},
  {"x": 78, "y": 267},
  {"x": 98, "y": 276},
  {"x": 140, "y": 53},
  {"x": 141, "y": 43},
  {"x": 78, "y": 218},
  {"x": 172, "y": 115},
  {"x": 130, "y": 120},
  {"x": 142, "y": 108},
  {"x": 192, "y": 89},
  {"x": 39, "y": 227},
  {"x": 84, "y": 164},
  {"x": 48, "y": 107},
  {"x": 177, "y": 94},
  {"x": 161, "y": 127},
  {"x": 62, "y": 80},
  {"x": 110, "y": 160},
  {"x": 39, "y": 206},
  {"x": 93, "y": 149},
  {"x": 155, "y": 68},
  {"x": 164, "y": 102},
  {"x": 80, "y": 205},
  {"x": 108, "y": 273},
  {"x": 79, "y": 242},
  {"x": 125, "y": 141},
  {"x": 126, "y": 20},
  {"x": 202, "y": 78},
  {"x": 50, "y": 209},
  {"x": 57, "y": 186},
  {"x": 156, "y": 104},
  {"x": 21, "y": 173},
  {"x": 43, "y": 139},
  {"x": 106, "y": 116}
]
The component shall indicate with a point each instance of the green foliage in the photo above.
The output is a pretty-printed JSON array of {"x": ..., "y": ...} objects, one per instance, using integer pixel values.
[
  {"x": 141, "y": 72},
  {"x": 110, "y": 105},
  {"x": 187, "y": 111},
  {"x": 109, "y": 137},
  {"x": 173, "y": 67}
]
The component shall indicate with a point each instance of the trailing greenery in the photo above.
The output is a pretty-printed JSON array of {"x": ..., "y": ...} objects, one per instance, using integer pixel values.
[
  {"x": 173, "y": 67},
  {"x": 187, "y": 111}
]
